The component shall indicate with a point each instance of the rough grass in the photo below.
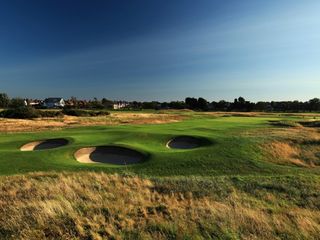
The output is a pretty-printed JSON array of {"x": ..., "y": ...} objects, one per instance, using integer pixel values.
[
  {"x": 301, "y": 153},
  {"x": 299, "y": 146},
  {"x": 311, "y": 123},
  {"x": 247, "y": 184},
  {"x": 100, "y": 206},
  {"x": 58, "y": 123},
  {"x": 284, "y": 123},
  {"x": 144, "y": 117},
  {"x": 283, "y": 152}
]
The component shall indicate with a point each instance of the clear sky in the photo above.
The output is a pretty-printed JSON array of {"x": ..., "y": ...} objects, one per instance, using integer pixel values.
[{"x": 161, "y": 49}]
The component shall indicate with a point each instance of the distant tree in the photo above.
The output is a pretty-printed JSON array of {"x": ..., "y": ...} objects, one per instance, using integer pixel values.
[
  {"x": 240, "y": 104},
  {"x": 241, "y": 100},
  {"x": 314, "y": 104},
  {"x": 202, "y": 104},
  {"x": 4, "y": 100},
  {"x": 107, "y": 103},
  {"x": 136, "y": 105},
  {"x": 74, "y": 102},
  {"x": 17, "y": 102},
  {"x": 235, "y": 101},
  {"x": 222, "y": 105},
  {"x": 192, "y": 103},
  {"x": 177, "y": 105},
  {"x": 96, "y": 104},
  {"x": 151, "y": 105},
  {"x": 262, "y": 106},
  {"x": 164, "y": 105}
]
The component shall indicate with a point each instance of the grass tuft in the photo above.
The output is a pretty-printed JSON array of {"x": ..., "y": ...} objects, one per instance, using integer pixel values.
[{"x": 101, "y": 206}]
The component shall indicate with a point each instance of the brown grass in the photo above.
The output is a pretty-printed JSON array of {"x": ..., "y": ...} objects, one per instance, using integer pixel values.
[
  {"x": 296, "y": 145},
  {"x": 121, "y": 118},
  {"x": 18, "y": 125},
  {"x": 235, "y": 114},
  {"x": 283, "y": 152},
  {"x": 101, "y": 206}
]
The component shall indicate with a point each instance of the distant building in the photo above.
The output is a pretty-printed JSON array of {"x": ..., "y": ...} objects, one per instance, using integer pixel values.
[
  {"x": 120, "y": 105},
  {"x": 54, "y": 103},
  {"x": 34, "y": 102}
]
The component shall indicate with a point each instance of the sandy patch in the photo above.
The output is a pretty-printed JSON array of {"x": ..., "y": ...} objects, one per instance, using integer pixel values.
[
  {"x": 184, "y": 142},
  {"x": 44, "y": 144},
  {"x": 108, "y": 154}
]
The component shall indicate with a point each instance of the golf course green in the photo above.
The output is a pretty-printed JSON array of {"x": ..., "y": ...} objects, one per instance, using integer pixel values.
[
  {"x": 232, "y": 148},
  {"x": 206, "y": 176}
]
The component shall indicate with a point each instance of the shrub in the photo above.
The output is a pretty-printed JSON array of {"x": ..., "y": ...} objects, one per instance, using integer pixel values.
[
  {"x": 28, "y": 113},
  {"x": 17, "y": 103},
  {"x": 4, "y": 100},
  {"x": 50, "y": 114},
  {"x": 20, "y": 113},
  {"x": 84, "y": 113},
  {"x": 98, "y": 113},
  {"x": 75, "y": 112}
]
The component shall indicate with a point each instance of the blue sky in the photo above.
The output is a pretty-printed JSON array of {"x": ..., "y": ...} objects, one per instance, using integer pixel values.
[{"x": 161, "y": 50}]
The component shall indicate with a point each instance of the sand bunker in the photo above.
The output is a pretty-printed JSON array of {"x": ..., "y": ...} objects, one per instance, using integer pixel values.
[
  {"x": 44, "y": 144},
  {"x": 185, "y": 142},
  {"x": 315, "y": 124},
  {"x": 108, "y": 154}
]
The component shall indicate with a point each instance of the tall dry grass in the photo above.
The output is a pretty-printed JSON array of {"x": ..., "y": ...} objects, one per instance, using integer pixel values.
[
  {"x": 292, "y": 145},
  {"x": 101, "y": 206},
  {"x": 40, "y": 124}
]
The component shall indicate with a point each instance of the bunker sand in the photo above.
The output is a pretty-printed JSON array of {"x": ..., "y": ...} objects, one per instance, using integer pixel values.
[
  {"x": 44, "y": 144},
  {"x": 184, "y": 142},
  {"x": 108, "y": 154}
]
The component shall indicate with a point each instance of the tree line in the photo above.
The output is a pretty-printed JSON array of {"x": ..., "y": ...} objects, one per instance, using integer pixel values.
[
  {"x": 197, "y": 104},
  {"x": 238, "y": 105},
  {"x": 6, "y": 102}
]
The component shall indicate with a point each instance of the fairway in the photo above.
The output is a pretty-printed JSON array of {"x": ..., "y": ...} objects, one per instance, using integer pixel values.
[
  {"x": 234, "y": 147},
  {"x": 159, "y": 120},
  {"x": 208, "y": 176}
]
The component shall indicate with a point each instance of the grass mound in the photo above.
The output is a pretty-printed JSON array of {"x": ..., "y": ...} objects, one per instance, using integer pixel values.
[{"x": 100, "y": 206}]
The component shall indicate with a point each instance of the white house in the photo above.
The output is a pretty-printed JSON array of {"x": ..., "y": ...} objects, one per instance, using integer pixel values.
[
  {"x": 54, "y": 103},
  {"x": 120, "y": 105}
]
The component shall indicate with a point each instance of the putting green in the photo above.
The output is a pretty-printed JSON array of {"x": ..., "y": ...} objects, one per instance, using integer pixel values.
[{"x": 234, "y": 151}]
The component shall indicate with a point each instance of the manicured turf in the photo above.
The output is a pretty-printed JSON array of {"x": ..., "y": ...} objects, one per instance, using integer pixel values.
[
  {"x": 227, "y": 189},
  {"x": 231, "y": 152}
]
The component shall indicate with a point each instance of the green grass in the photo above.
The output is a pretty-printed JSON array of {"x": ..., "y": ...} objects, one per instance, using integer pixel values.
[
  {"x": 225, "y": 190},
  {"x": 232, "y": 152}
]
